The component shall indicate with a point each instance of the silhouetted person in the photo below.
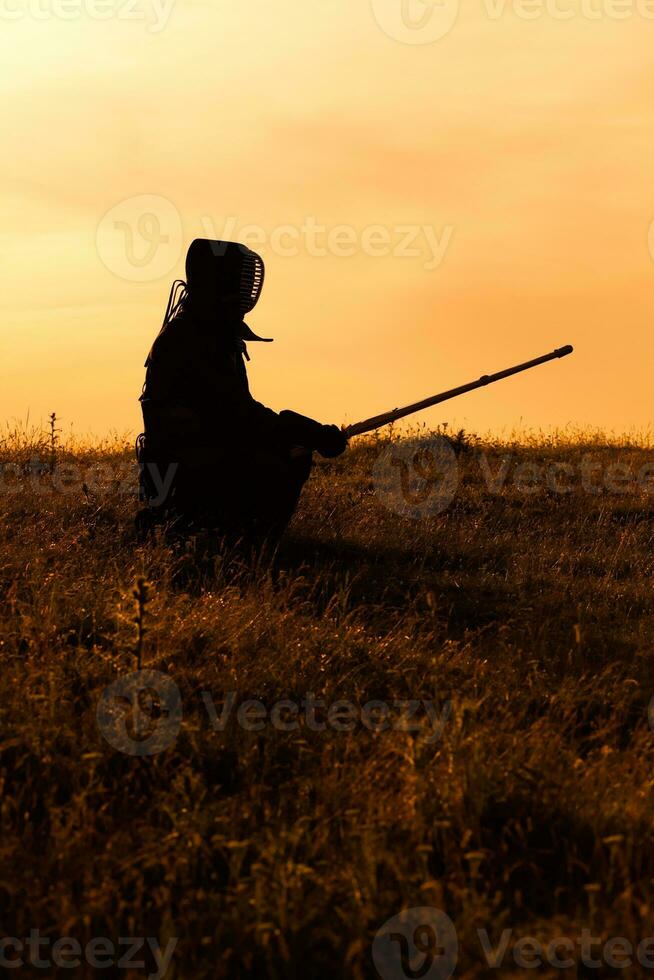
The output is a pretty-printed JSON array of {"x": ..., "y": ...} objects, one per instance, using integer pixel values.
[{"x": 212, "y": 456}]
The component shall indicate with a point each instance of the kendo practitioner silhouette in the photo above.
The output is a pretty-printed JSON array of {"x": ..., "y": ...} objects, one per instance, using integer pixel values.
[{"x": 211, "y": 456}]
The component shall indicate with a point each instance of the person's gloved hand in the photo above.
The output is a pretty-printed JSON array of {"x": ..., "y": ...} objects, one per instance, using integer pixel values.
[
  {"x": 331, "y": 441},
  {"x": 298, "y": 430}
]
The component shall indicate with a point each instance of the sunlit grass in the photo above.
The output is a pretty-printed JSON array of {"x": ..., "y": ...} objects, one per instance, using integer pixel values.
[{"x": 281, "y": 853}]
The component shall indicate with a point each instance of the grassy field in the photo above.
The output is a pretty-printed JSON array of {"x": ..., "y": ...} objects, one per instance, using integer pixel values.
[{"x": 277, "y": 843}]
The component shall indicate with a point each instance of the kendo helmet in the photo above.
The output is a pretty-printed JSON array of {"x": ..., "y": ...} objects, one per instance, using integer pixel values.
[{"x": 226, "y": 271}]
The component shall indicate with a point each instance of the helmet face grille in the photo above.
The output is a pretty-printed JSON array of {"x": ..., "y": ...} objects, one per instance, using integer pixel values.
[{"x": 252, "y": 276}]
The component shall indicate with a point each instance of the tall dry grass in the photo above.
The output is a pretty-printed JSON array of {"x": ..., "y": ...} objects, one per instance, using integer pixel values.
[{"x": 280, "y": 854}]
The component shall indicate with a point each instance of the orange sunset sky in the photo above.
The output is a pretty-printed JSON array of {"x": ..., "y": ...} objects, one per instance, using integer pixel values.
[{"x": 518, "y": 146}]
